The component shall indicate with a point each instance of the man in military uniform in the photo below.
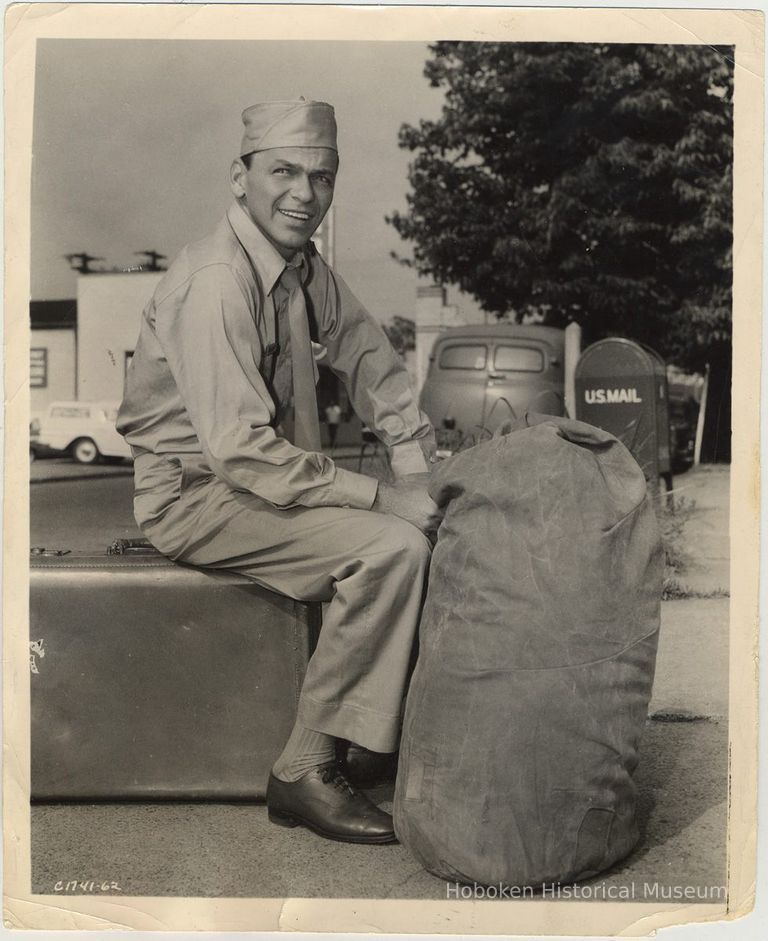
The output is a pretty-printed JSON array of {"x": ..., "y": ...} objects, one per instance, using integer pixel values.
[{"x": 221, "y": 415}]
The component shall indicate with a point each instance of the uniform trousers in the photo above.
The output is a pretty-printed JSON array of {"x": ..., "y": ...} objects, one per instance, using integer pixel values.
[{"x": 370, "y": 567}]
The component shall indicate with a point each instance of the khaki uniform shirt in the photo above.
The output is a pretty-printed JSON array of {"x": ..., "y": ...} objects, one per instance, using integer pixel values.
[{"x": 210, "y": 379}]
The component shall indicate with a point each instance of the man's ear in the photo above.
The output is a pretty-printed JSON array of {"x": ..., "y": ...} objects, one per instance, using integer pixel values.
[{"x": 236, "y": 173}]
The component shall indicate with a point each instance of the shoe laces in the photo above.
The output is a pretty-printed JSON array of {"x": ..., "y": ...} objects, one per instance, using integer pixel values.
[{"x": 332, "y": 774}]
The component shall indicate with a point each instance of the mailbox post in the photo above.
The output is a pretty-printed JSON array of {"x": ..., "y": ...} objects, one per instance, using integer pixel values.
[{"x": 621, "y": 387}]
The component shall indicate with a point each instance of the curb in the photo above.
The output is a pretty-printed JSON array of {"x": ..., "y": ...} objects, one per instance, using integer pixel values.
[{"x": 99, "y": 475}]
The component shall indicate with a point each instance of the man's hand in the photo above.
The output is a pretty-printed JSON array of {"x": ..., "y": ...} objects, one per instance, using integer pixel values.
[{"x": 408, "y": 499}]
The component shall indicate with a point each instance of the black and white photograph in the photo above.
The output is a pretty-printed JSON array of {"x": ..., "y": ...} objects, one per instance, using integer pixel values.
[{"x": 384, "y": 444}]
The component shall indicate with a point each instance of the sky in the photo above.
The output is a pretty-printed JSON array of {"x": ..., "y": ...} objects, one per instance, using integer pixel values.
[{"x": 133, "y": 140}]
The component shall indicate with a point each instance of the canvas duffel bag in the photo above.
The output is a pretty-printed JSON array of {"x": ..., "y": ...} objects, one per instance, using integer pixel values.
[{"x": 536, "y": 658}]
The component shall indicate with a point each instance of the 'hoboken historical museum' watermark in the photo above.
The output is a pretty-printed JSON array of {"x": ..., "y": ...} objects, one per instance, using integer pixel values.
[{"x": 552, "y": 891}]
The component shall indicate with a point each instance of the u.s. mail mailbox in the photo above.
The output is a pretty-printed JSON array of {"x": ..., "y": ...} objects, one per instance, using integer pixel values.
[{"x": 621, "y": 386}]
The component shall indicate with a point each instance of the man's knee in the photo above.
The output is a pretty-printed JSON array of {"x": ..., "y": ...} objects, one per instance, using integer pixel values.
[{"x": 405, "y": 543}]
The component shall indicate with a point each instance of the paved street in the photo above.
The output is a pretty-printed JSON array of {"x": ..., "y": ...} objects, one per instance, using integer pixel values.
[
  {"x": 84, "y": 509},
  {"x": 223, "y": 850},
  {"x": 82, "y": 515}
]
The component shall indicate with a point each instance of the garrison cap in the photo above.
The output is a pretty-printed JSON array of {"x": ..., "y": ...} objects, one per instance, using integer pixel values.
[{"x": 296, "y": 123}]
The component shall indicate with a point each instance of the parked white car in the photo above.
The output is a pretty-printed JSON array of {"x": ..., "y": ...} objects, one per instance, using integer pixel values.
[{"x": 86, "y": 430}]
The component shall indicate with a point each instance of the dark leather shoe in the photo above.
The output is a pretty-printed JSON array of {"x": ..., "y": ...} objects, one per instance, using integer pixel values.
[
  {"x": 364, "y": 768},
  {"x": 325, "y": 802}
]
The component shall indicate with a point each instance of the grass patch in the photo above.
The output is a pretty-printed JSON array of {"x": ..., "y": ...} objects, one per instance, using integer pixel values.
[
  {"x": 672, "y": 521},
  {"x": 675, "y": 591},
  {"x": 672, "y": 517}
]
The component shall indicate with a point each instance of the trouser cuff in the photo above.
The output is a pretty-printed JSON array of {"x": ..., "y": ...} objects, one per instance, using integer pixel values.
[{"x": 375, "y": 731}]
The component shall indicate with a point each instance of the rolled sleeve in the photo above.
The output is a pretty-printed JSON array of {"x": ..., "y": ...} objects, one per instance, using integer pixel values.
[
  {"x": 353, "y": 490},
  {"x": 407, "y": 458},
  {"x": 359, "y": 352}
]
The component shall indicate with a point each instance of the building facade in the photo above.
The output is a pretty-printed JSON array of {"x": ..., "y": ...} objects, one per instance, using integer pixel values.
[
  {"x": 52, "y": 353},
  {"x": 109, "y": 308}
]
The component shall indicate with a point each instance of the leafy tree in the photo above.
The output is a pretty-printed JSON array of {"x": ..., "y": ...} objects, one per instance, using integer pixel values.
[
  {"x": 402, "y": 334},
  {"x": 585, "y": 182}
]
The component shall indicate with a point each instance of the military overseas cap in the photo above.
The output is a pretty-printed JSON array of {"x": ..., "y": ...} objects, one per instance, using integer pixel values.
[{"x": 297, "y": 123}]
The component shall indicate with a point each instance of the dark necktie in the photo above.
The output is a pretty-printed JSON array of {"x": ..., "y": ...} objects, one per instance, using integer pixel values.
[{"x": 306, "y": 431}]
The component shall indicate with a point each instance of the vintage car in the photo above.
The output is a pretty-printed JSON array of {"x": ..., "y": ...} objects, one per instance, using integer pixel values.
[
  {"x": 480, "y": 376},
  {"x": 85, "y": 430}
]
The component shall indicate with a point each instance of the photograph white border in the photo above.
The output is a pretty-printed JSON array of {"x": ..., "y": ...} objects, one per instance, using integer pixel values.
[{"x": 744, "y": 29}]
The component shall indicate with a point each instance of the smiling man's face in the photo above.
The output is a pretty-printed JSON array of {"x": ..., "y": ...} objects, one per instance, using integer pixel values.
[{"x": 287, "y": 192}]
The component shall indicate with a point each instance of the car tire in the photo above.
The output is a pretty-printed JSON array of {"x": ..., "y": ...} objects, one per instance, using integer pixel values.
[{"x": 84, "y": 451}]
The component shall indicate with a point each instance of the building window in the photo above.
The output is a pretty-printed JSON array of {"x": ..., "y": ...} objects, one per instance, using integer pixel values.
[
  {"x": 38, "y": 367},
  {"x": 70, "y": 411}
]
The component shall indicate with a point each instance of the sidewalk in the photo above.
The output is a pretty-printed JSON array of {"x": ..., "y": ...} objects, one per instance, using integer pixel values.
[
  {"x": 692, "y": 666},
  {"x": 706, "y": 536}
]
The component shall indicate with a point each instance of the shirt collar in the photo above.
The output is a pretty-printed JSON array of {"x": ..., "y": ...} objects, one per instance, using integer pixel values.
[{"x": 267, "y": 261}]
